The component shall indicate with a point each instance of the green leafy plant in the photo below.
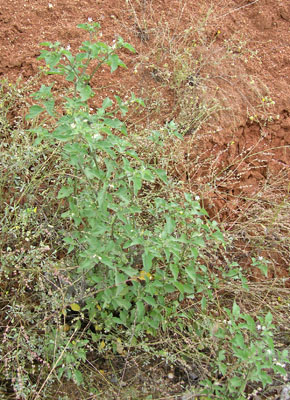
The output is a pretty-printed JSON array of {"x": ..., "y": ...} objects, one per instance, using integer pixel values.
[
  {"x": 245, "y": 353},
  {"x": 138, "y": 260},
  {"x": 137, "y": 256},
  {"x": 125, "y": 268}
]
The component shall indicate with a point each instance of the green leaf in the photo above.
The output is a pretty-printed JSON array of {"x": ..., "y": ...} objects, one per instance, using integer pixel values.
[
  {"x": 107, "y": 103},
  {"x": 114, "y": 62},
  {"x": 140, "y": 310},
  {"x": 155, "y": 319},
  {"x": 280, "y": 370},
  {"x": 221, "y": 355},
  {"x": 34, "y": 111},
  {"x": 150, "y": 300},
  {"x": 137, "y": 183},
  {"x": 251, "y": 325},
  {"x": 191, "y": 272},
  {"x": 129, "y": 271},
  {"x": 236, "y": 310},
  {"x": 235, "y": 382},
  {"x": 161, "y": 175},
  {"x": 238, "y": 340},
  {"x": 220, "y": 334},
  {"x": 265, "y": 378},
  {"x": 223, "y": 368},
  {"x": 78, "y": 377},
  {"x": 43, "y": 93},
  {"x": 102, "y": 195},
  {"x": 234, "y": 273},
  {"x": 75, "y": 307},
  {"x": 123, "y": 303},
  {"x": 179, "y": 286},
  {"x": 268, "y": 318},
  {"x": 242, "y": 354},
  {"x": 218, "y": 236},
  {"x": 148, "y": 176},
  {"x": 125, "y": 45},
  {"x": 85, "y": 92},
  {"x": 170, "y": 225},
  {"x": 147, "y": 258},
  {"x": 64, "y": 192},
  {"x": 49, "y": 106},
  {"x": 51, "y": 58},
  {"x": 174, "y": 270}
]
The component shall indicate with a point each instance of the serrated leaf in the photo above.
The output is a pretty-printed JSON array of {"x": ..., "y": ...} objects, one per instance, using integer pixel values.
[
  {"x": 123, "y": 303},
  {"x": 78, "y": 377},
  {"x": 34, "y": 111},
  {"x": 64, "y": 192},
  {"x": 250, "y": 322},
  {"x": 170, "y": 225},
  {"x": 49, "y": 106},
  {"x": 85, "y": 92},
  {"x": 236, "y": 310},
  {"x": 115, "y": 62},
  {"x": 238, "y": 340},
  {"x": 147, "y": 259}
]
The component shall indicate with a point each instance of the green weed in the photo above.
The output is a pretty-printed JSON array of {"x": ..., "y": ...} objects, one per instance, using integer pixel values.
[{"x": 98, "y": 264}]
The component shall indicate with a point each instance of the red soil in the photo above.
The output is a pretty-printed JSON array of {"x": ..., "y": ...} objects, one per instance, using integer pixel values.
[{"x": 235, "y": 157}]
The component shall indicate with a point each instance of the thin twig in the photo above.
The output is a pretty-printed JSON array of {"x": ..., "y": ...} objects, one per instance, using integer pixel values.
[{"x": 237, "y": 9}]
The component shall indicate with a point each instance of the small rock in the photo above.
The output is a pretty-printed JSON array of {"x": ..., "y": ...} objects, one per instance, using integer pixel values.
[
  {"x": 285, "y": 13},
  {"x": 286, "y": 123}
]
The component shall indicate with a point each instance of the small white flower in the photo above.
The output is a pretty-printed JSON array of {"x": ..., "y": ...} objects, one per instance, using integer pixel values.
[
  {"x": 73, "y": 126},
  {"x": 260, "y": 258},
  {"x": 50, "y": 5},
  {"x": 197, "y": 198},
  {"x": 90, "y": 19},
  {"x": 259, "y": 327},
  {"x": 68, "y": 47}
]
